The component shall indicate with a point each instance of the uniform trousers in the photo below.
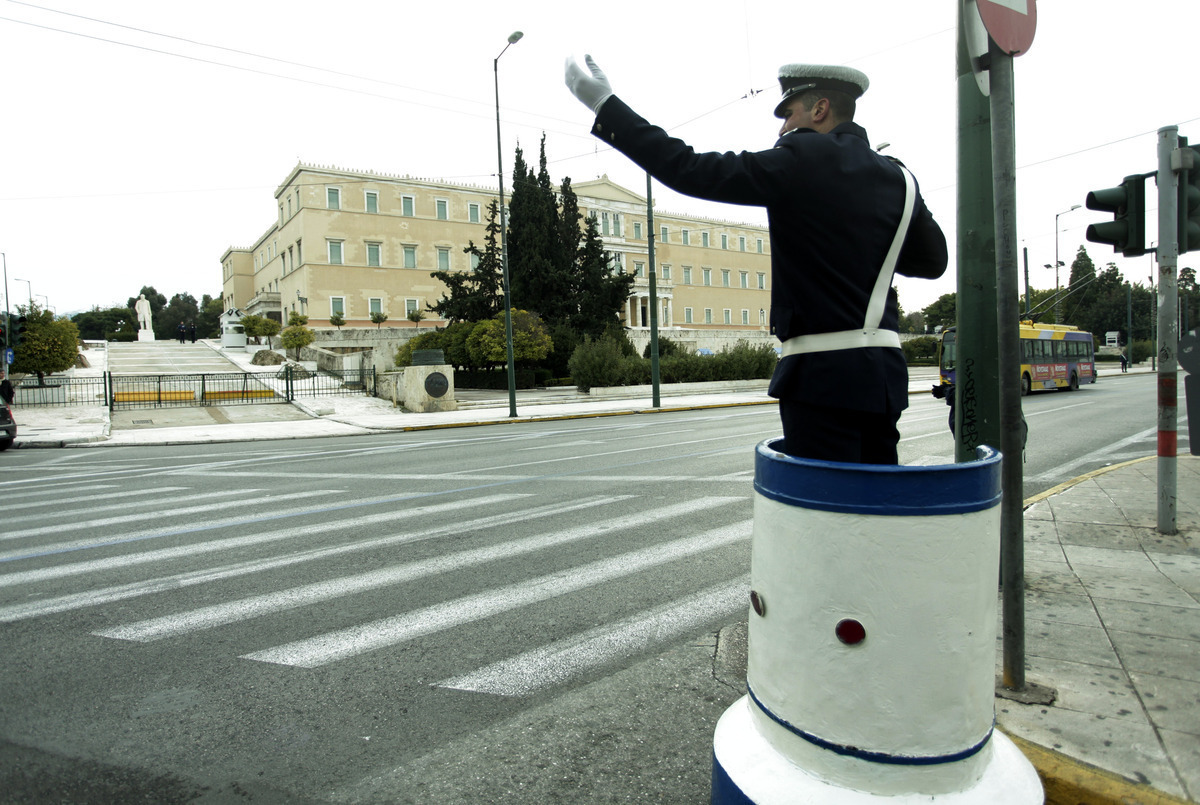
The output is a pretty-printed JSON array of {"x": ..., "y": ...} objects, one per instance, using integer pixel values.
[{"x": 839, "y": 434}]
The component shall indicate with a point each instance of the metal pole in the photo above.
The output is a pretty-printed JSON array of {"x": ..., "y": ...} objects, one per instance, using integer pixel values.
[
  {"x": 1129, "y": 324},
  {"x": 1012, "y": 535},
  {"x": 977, "y": 382},
  {"x": 1169, "y": 156},
  {"x": 1025, "y": 252},
  {"x": 655, "y": 402},
  {"x": 508, "y": 332}
]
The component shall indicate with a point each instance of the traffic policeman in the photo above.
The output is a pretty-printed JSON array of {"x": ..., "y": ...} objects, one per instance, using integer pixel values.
[{"x": 842, "y": 220}]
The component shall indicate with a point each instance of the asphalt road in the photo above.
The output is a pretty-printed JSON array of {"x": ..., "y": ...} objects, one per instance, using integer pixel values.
[{"x": 477, "y": 614}]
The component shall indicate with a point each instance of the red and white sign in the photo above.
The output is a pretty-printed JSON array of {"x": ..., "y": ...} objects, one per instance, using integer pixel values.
[{"x": 1010, "y": 23}]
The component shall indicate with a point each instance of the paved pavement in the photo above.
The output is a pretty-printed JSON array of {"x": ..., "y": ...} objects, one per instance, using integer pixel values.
[{"x": 1112, "y": 606}]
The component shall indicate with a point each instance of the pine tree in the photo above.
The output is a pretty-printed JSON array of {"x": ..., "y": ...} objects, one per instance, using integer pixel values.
[
  {"x": 601, "y": 291},
  {"x": 479, "y": 294}
]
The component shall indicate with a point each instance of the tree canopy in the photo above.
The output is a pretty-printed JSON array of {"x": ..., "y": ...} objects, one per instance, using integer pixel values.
[{"x": 49, "y": 345}]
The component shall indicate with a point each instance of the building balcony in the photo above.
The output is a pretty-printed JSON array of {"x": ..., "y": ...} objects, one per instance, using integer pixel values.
[{"x": 263, "y": 303}]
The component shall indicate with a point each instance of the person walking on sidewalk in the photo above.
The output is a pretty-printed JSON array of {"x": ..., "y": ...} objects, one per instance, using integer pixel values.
[
  {"x": 842, "y": 220},
  {"x": 180, "y": 332},
  {"x": 1124, "y": 363}
]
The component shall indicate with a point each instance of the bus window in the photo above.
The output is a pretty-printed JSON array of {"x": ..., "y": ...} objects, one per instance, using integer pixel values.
[{"x": 949, "y": 348}]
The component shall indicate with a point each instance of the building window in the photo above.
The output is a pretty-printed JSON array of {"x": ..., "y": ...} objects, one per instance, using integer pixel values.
[
  {"x": 337, "y": 306},
  {"x": 616, "y": 265},
  {"x": 707, "y": 276},
  {"x": 443, "y": 259},
  {"x": 299, "y": 256},
  {"x": 281, "y": 213},
  {"x": 759, "y": 243},
  {"x": 289, "y": 206},
  {"x": 762, "y": 281},
  {"x": 741, "y": 243},
  {"x": 637, "y": 230},
  {"x": 704, "y": 239},
  {"x": 333, "y": 198},
  {"x": 666, "y": 272},
  {"x": 639, "y": 269},
  {"x": 616, "y": 224},
  {"x": 473, "y": 213},
  {"x": 407, "y": 203},
  {"x": 372, "y": 201},
  {"x": 745, "y": 317},
  {"x": 411, "y": 306},
  {"x": 373, "y": 250},
  {"x": 724, "y": 277},
  {"x": 665, "y": 239},
  {"x": 686, "y": 237},
  {"x": 443, "y": 209},
  {"x": 724, "y": 241},
  {"x": 687, "y": 315},
  {"x": 604, "y": 230},
  {"x": 687, "y": 275},
  {"x": 335, "y": 252},
  {"x": 410, "y": 256},
  {"x": 474, "y": 260},
  {"x": 708, "y": 315},
  {"x": 762, "y": 316},
  {"x": 728, "y": 316},
  {"x": 745, "y": 279}
]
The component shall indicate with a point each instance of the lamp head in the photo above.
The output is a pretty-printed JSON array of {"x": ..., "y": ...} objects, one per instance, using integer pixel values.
[{"x": 515, "y": 37}]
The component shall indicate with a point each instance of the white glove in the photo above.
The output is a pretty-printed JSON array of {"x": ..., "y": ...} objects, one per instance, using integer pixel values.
[{"x": 592, "y": 90}]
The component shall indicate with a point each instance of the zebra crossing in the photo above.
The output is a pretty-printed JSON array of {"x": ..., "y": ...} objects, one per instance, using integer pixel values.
[{"x": 159, "y": 574}]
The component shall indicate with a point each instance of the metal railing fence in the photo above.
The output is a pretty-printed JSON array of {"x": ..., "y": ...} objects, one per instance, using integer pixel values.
[{"x": 122, "y": 391}]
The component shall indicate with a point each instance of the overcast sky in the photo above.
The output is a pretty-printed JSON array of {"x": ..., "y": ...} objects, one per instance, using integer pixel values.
[{"x": 142, "y": 138}]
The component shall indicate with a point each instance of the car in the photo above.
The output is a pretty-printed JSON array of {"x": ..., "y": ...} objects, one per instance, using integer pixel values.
[{"x": 8, "y": 427}]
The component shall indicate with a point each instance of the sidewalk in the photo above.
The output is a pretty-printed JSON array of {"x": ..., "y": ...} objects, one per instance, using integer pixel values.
[{"x": 1112, "y": 617}]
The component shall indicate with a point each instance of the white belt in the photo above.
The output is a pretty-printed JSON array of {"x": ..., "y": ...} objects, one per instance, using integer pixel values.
[
  {"x": 846, "y": 339},
  {"x": 869, "y": 335}
]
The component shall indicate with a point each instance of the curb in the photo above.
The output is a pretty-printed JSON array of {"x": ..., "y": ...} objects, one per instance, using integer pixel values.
[{"x": 1067, "y": 781}]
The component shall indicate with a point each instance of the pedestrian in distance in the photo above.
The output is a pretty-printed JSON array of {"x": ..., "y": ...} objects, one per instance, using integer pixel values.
[
  {"x": 842, "y": 219},
  {"x": 192, "y": 331},
  {"x": 1124, "y": 363},
  {"x": 181, "y": 332}
]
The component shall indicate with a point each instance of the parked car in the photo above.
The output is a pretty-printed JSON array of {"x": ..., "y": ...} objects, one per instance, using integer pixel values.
[{"x": 8, "y": 427}]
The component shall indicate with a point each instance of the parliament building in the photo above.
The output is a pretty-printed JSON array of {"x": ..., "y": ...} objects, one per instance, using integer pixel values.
[{"x": 359, "y": 243}]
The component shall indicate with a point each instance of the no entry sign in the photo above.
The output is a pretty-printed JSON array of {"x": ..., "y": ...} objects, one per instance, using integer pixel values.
[{"x": 1010, "y": 23}]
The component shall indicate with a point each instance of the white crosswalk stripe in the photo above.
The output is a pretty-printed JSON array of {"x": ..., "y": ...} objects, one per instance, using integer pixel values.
[
  {"x": 502, "y": 527},
  {"x": 550, "y": 665},
  {"x": 323, "y": 649}
]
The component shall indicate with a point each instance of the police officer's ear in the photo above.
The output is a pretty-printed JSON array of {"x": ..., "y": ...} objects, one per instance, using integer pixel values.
[{"x": 820, "y": 110}]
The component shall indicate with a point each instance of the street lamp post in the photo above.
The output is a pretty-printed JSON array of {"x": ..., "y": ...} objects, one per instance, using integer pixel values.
[
  {"x": 513, "y": 38},
  {"x": 30, "y": 284},
  {"x": 1058, "y": 264}
]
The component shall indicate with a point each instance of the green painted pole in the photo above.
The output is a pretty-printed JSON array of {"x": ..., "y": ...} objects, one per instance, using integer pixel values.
[{"x": 977, "y": 382}]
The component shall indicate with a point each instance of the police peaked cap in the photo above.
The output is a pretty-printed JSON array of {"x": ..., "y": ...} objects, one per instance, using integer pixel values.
[{"x": 797, "y": 78}]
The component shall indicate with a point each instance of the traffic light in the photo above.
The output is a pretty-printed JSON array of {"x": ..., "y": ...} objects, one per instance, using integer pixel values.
[
  {"x": 1189, "y": 200},
  {"x": 16, "y": 330},
  {"x": 1126, "y": 233}
]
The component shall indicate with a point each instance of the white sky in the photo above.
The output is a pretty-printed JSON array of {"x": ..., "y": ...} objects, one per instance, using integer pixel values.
[{"x": 137, "y": 157}]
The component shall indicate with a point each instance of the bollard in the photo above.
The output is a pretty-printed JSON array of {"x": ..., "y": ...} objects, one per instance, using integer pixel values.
[{"x": 872, "y": 640}]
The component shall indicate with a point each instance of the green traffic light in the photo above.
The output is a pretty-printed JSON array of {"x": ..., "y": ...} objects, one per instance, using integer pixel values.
[
  {"x": 1189, "y": 203},
  {"x": 1126, "y": 233}
]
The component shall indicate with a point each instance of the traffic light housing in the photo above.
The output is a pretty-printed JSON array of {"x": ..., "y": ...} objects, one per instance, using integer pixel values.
[
  {"x": 1189, "y": 199},
  {"x": 16, "y": 330},
  {"x": 1126, "y": 233}
]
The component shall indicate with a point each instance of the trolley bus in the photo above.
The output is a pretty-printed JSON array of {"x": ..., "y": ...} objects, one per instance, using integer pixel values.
[{"x": 1053, "y": 356}]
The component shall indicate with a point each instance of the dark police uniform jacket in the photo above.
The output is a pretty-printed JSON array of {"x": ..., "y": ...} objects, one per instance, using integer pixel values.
[{"x": 833, "y": 207}]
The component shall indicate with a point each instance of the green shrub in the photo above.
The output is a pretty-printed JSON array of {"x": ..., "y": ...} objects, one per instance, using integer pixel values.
[
  {"x": 597, "y": 363},
  {"x": 1142, "y": 350},
  {"x": 427, "y": 340}
]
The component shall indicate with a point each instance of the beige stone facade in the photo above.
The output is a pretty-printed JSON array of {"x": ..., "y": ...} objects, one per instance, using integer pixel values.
[{"x": 362, "y": 243}]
